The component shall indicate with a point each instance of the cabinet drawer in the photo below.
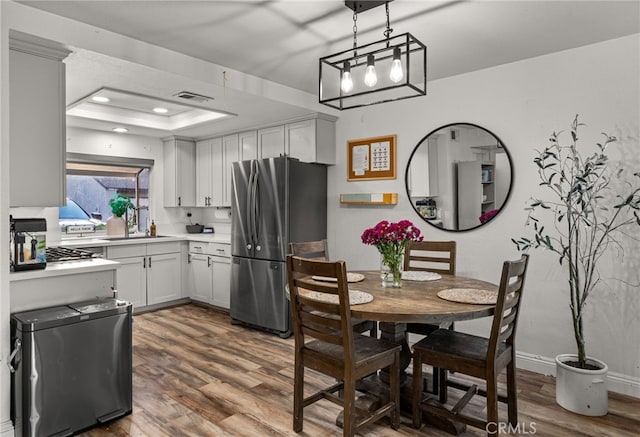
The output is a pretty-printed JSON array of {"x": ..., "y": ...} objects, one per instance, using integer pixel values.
[
  {"x": 158, "y": 248},
  {"x": 126, "y": 251},
  {"x": 220, "y": 249},
  {"x": 198, "y": 247}
]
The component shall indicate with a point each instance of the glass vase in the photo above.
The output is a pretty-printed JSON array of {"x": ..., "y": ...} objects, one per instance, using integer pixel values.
[{"x": 391, "y": 270}]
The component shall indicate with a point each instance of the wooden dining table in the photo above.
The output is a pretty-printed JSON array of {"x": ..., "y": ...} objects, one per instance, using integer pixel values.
[{"x": 416, "y": 302}]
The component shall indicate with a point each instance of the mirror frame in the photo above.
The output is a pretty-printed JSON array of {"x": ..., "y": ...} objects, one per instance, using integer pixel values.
[{"x": 424, "y": 139}]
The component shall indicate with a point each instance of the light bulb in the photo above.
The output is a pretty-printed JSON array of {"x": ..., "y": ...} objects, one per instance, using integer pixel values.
[
  {"x": 396, "y": 74},
  {"x": 347, "y": 82},
  {"x": 370, "y": 76}
]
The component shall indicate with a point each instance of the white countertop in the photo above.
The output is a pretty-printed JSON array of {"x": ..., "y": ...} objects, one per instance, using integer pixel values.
[
  {"x": 66, "y": 268},
  {"x": 100, "y": 264},
  {"x": 106, "y": 241}
]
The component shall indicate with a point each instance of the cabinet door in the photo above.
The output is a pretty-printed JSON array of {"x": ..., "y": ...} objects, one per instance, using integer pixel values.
[
  {"x": 469, "y": 194},
  {"x": 271, "y": 142},
  {"x": 433, "y": 166},
  {"x": 37, "y": 130},
  {"x": 215, "y": 168},
  {"x": 163, "y": 278},
  {"x": 248, "y": 145},
  {"x": 179, "y": 173},
  {"x": 221, "y": 282},
  {"x": 300, "y": 140},
  {"x": 131, "y": 281},
  {"x": 203, "y": 173},
  {"x": 419, "y": 172},
  {"x": 231, "y": 155},
  {"x": 200, "y": 270}
]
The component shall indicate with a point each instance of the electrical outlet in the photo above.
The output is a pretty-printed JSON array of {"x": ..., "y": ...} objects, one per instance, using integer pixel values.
[{"x": 189, "y": 214}]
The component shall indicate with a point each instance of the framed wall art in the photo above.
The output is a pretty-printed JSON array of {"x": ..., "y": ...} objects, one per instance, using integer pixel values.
[{"x": 371, "y": 158}]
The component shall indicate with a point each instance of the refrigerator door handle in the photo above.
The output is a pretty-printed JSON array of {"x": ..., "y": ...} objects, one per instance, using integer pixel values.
[
  {"x": 256, "y": 208},
  {"x": 250, "y": 207}
]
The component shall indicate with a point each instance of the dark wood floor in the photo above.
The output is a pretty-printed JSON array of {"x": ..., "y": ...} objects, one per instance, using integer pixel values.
[{"x": 195, "y": 374}]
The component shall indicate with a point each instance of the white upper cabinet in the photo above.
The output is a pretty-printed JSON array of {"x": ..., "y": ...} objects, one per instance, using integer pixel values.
[
  {"x": 311, "y": 140},
  {"x": 203, "y": 173},
  {"x": 248, "y": 145},
  {"x": 230, "y": 154},
  {"x": 423, "y": 172},
  {"x": 179, "y": 172},
  {"x": 37, "y": 122},
  {"x": 214, "y": 159},
  {"x": 271, "y": 142}
]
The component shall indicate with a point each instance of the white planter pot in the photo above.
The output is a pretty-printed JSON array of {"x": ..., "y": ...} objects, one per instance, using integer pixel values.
[
  {"x": 582, "y": 391},
  {"x": 115, "y": 226}
]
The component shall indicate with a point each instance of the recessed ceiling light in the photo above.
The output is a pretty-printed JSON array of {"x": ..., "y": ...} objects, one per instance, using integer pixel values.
[
  {"x": 101, "y": 99},
  {"x": 159, "y": 110},
  {"x": 120, "y": 130}
]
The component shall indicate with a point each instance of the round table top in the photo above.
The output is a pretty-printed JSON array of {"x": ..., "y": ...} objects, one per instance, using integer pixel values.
[{"x": 417, "y": 301}]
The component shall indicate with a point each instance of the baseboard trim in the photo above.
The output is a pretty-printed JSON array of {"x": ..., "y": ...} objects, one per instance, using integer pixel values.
[{"x": 617, "y": 382}]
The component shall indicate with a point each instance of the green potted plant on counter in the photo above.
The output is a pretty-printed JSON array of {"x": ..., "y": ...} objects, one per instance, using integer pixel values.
[{"x": 591, "y": 204}]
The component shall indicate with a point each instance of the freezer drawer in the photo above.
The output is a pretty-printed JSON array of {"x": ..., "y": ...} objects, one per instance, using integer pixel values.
[
  {"x": 257, "y": 295},
  {"x": 74, "y": 367}
]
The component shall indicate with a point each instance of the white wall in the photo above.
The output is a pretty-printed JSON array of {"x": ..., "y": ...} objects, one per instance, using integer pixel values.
[{"x": 522, "y": 103}]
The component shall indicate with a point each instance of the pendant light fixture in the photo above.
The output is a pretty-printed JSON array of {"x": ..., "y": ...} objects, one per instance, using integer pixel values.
[{"x": 393, "y": 68}]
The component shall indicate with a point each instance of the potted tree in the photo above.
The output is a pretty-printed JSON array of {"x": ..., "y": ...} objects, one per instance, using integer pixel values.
[
  {"x": 116, "y": 223},
  {"x": 591, "y": 203}
]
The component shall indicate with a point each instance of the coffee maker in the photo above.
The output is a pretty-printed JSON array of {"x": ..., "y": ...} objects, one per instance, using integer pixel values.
[{"x": 28, "y": 243}]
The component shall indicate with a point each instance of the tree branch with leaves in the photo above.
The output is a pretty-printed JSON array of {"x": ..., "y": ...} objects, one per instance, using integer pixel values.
[{"x": 587, "y": 215}]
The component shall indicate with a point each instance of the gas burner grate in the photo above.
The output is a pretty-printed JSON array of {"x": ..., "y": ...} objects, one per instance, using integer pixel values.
[{"x": 60, "y": 254}]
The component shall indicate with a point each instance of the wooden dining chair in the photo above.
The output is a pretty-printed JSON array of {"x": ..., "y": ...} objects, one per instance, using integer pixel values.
[
  {"x": 436, "y": 257},
  {"x": 480, "y": 357},
  {"x": 319, "y": 250},
  {"x": 325, "y": 342},
  {"x": 429, "y": 256}
]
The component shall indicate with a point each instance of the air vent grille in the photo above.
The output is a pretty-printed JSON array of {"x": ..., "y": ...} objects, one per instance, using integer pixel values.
[{"x": 187, "y": 95}]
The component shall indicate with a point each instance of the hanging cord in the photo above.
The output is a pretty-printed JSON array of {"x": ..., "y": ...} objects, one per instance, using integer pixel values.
[
  {"x": 355, "y": 34},
  {"x": 387, "y": 32}
]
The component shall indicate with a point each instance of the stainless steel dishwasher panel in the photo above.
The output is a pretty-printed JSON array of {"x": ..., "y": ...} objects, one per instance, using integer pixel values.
[{"x": 75, "y": 370}]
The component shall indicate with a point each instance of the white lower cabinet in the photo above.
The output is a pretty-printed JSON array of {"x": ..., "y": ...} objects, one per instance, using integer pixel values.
[
  {"x": 148, "y": 274},
  {"x": 163, "y": 278},
  {"x": 132, "y": 280},
  {"x": 210, "y": 274}
]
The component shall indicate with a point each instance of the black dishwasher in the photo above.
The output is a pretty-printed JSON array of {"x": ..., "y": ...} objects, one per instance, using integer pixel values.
[{"x": 71, "y": 367}]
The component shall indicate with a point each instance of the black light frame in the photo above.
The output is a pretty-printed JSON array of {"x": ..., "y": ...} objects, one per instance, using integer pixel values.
[{"x": 407, "y": 44}]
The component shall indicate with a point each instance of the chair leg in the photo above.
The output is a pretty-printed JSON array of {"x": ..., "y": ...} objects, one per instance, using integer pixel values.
[
  {"x": 492, "y": 402},
  {"x": 394, "y": 391},
  {"x": 298, "y": 394},
  {"x": 416, "y": 398},
  {"x": 348, "y": 417},
  {"x": 443, "y": 391},
  {"x": 512, "y": 393},
  {"x": 374, "y": 331}
]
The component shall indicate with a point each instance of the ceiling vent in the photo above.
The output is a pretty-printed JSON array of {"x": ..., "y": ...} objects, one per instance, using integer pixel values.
[{"x": 187, "y": 95}]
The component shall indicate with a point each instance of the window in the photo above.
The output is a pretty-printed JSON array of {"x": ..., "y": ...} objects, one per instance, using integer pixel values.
[{"x": 93, "y": 180}]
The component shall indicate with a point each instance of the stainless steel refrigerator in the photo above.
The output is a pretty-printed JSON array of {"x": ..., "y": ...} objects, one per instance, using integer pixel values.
[{"x": 275, "y": 201}]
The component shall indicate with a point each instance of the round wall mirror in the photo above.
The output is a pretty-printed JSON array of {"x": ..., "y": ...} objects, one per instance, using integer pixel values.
[{"x": 459, "y": 177}]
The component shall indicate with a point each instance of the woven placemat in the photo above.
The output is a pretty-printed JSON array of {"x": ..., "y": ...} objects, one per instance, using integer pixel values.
[
  {"x": 356, "y": 297},
  {"x": 469, "y": 295},
  {"x": 412, "y": 275},
  {"x": 351, "y": 277}
]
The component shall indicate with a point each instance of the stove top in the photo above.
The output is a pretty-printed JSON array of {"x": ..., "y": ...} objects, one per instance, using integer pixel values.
[{"x": 61, "y": 254}]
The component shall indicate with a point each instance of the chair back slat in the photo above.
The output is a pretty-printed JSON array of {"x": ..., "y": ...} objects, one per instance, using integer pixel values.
[
  {"x": 320, "y": 320},
  {"x": 505, "y": 318},
  {"x": 310, "y": 249},
  {"x": 431, "y": 256}
]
